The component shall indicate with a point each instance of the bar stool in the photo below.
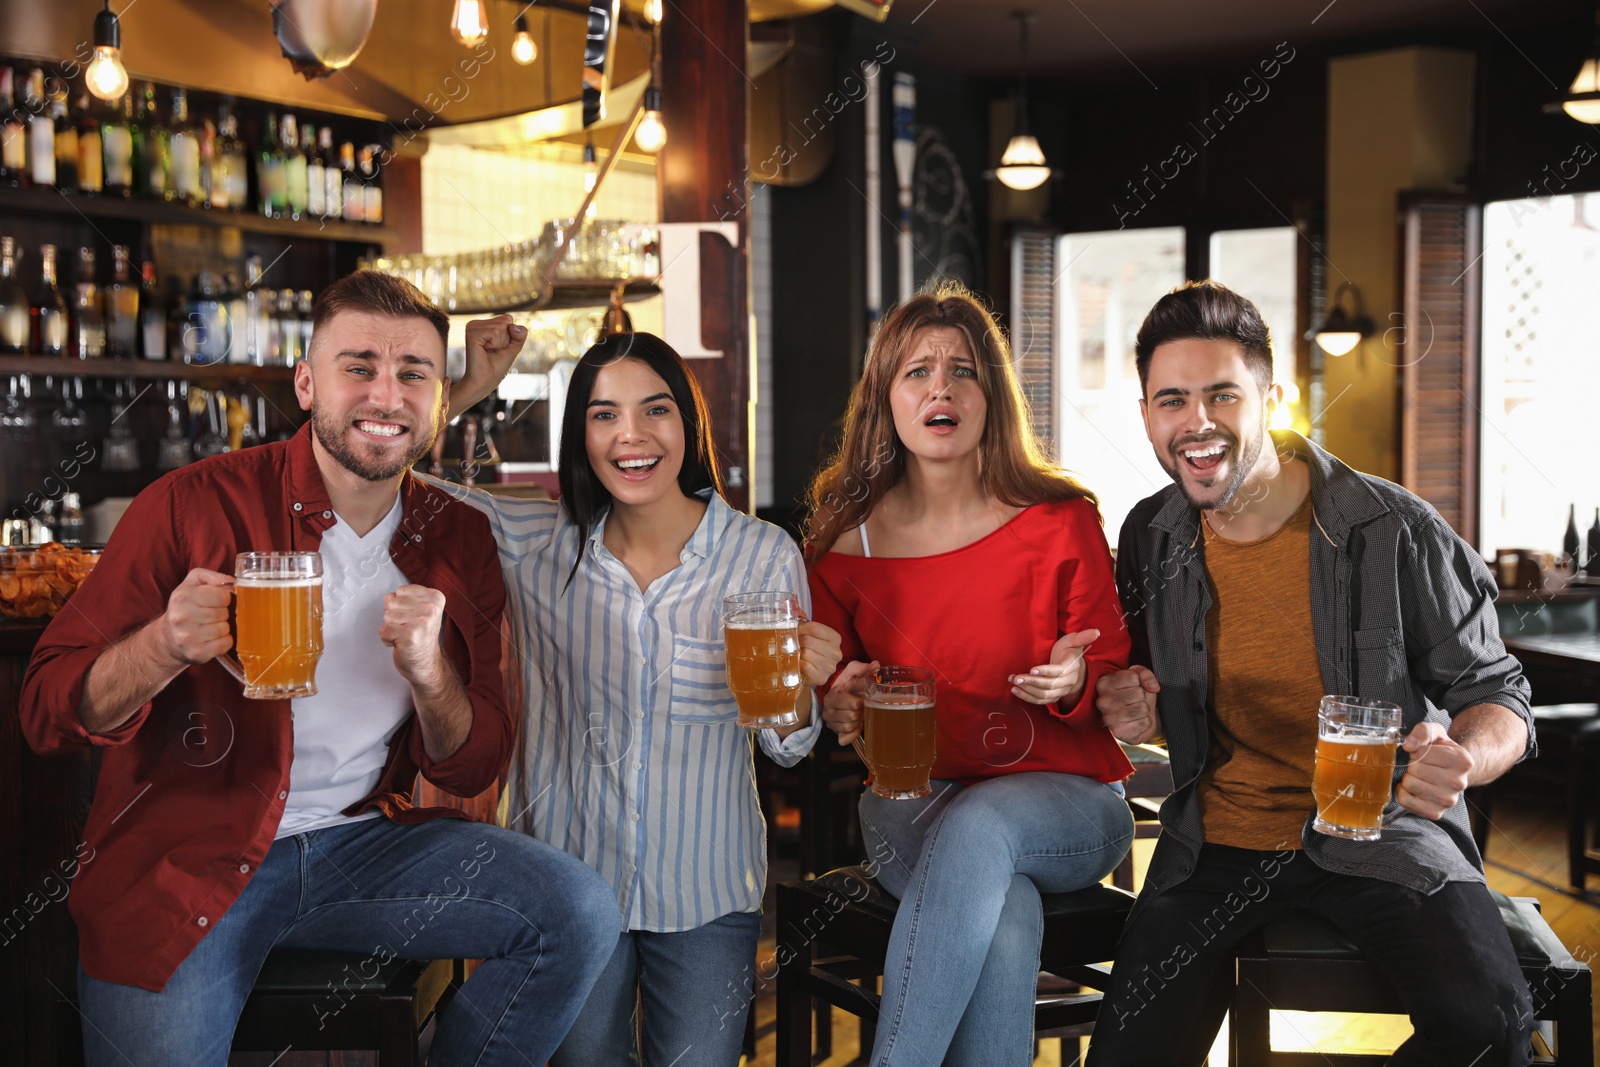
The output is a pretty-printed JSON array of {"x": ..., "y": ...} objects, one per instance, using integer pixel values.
[
  {"x": 1301, "y": 962},
  {"x": 326, "y": 1001},
  {"x": 833, "y": 932}
]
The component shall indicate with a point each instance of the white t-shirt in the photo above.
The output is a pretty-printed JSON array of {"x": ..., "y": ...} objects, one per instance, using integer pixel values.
[{"x": 341, "y": 735}]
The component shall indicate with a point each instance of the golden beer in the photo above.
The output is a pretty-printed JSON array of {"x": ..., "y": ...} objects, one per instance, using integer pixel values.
[
  {"x": 899, "y": 742},
  {"x": 764, "y": 669},
  {"x": 279, "y": 635},
  {"x": 1356, "y": 741}
]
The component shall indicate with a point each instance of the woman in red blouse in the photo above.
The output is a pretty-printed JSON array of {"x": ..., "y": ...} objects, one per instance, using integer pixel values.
[{"x": 941, "y": 536}]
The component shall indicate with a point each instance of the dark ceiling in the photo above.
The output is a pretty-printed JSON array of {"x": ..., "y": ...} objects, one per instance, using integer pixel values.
[{"x": 1143, "y": 38}]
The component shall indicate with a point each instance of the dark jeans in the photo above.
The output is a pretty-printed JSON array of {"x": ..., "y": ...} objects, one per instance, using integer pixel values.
[
  {"x": 542, "y": 922},
  {"x": 1447, "y": 953}
]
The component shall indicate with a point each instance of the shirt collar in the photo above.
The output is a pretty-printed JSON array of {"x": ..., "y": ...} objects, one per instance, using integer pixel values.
[
  {"x": 308, "y": 493},
  {"x": 700, "y": 543}
]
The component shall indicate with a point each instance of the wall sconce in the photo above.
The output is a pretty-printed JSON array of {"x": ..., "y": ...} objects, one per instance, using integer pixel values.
[
  {"x": 1582, "y": 101},
  {"x": 1342, "y": 330}
]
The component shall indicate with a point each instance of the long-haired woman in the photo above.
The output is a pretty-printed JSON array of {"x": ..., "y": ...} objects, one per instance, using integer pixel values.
[
  {"x": 942, "y": 537},
  {"x": 631, "y": 757}
]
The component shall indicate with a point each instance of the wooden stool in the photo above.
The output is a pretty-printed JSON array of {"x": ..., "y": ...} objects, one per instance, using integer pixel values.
[
  {"x": 325, "y": 1001},
  {"x": 834, "y": 931},
  {"x": 1303, "y": 963}
]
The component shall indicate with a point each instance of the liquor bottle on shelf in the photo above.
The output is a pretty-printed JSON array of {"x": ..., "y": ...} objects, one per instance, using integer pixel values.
[
  {"x": 152, "y": 314},
  {"x": 155, "y": 155},
  {"x": 121, "y": 308},
  {"x": 208, "y": 311},
  {"x": 41, "y": 133},
  {"x": 1569, "y": 541},
  {"x": 304, "y": 303},
  {"x": 14, "y": 310},
  {"x": 372, "y": 187},
  {"x": 257, "y": 305},
  {"x": 206, "y": 134},
  {"x": 355, "y": 197},
  {"x": 50, "y": 317},
  {"x": 233, "y": 295},
  {"x": 182, "y": 330},
  {"x": 269, "y": 172},
  {"x": 294, "y": 167},
  {"x": 289, "y": 337},
  {"x": 13, "y": 131},
  {"x": 88, "y": 323},
  {"x": 1591, "y": 566},
  {"x": 217, "y": 174},
  {"x": 116, "y": 144},
  {"x": 185, "y": 142},
  {"x": 239, "y": 169},
  {"x": 91, "y": 155},
  {"x": 66, "y": 135},
  {"x": 316, "y": 175},
  {"x": 333, "y": 195}
]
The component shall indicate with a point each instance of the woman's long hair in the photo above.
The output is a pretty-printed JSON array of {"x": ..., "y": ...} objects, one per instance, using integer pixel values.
[
  {"x": 583, "y": 494},
  {"x": 1013, "y": 465}
]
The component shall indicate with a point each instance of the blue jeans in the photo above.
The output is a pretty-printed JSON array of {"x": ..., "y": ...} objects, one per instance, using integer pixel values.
[
  {"x": 696, "y": 993},
  {"x": 542, "y": 922},
  {"x": 968, "y": 864}
]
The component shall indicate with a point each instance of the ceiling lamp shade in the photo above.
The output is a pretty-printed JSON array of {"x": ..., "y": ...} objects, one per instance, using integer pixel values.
[
  {"x": 1022, "y": 165},
  {"x": 318, "y": 37},
  {"x": 1582, "y": 101},
  {"x": 1342, "y": 330}
]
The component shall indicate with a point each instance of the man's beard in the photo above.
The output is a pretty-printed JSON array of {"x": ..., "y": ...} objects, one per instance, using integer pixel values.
[
  {"x": 1244, "y": 463},
  {"x": 332, "y": 435}
]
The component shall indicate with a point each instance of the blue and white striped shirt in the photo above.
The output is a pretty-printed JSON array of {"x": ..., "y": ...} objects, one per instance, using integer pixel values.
[{"x": 631, "y": 757}]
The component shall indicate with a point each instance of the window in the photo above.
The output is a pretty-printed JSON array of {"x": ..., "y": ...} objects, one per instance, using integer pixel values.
[
  {"x": 1541, "y": 269},
  {"x": 1108, "y": 285},
  {"x": 1261, "y": 266}
]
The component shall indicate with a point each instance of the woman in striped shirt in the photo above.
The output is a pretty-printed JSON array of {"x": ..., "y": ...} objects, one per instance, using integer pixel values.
[
  {"x": 631, "y": 757},
  {"x": 942, "y": 537}
]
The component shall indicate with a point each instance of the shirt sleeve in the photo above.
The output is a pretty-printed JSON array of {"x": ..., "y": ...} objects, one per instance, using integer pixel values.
[
  {"x": 787, "y": 751},
  {"x": 1089, "y": 602},
  {"x": 482, "y": 757},
  {"x": 142, "y": 564},
  {"x": 1452, "y": 632},
  {"x": 827, "y": 609}
]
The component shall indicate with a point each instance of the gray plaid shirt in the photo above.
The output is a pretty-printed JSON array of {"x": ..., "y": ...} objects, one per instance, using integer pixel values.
[{"x": 1403, "y": 611}]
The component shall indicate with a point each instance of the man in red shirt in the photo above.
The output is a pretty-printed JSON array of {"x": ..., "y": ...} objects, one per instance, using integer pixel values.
[{"x": 224, "y": 827}]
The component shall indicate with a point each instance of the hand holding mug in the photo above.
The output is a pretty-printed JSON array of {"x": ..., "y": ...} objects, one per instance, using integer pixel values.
[
  {"x": 195, "y": 624},
  {"x": 1126, "y": 701},
  {"x": 842, "y": 707},
  {"x": 1062, "y": 678},
  {"x": 1437, "y": 773},
  {"x": 412, "y": 617},
  {"x": 820, "y": 651}
]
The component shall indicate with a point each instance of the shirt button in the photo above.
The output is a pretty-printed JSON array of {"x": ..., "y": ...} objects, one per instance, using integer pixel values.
[
  {"x": 417, "y": 538},
  {"x": 638, "y": 766},
  {"x": 638, "y": 715},
  {"x": 631, "y": 868},
  {"x": 635, "y": 819},
  {"x": 283, "y": 796},
  {"x": 299, "y": 507},
  {"x": 202, "y": 921},
  {"x": 244, "y": 868},
  {"x": 327, "y": 514}
]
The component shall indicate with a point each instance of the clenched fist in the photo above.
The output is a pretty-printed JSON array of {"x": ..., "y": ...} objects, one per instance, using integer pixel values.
[
  {"x": 492, "y": 346},
  {"x": 194, "y": 628},
  {"x": 1127, "y": 704},
  {"x": 412, "y": 618}
]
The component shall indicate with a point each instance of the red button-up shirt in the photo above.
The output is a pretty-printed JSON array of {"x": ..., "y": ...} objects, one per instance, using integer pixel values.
[{"x": 192, "y": 787}]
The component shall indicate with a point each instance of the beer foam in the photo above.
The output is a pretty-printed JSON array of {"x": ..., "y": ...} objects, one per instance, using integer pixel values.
[
  {"x": 276, "y": 583},
  {"x": 921, "y": 705},
  {"x": 1358, "y": 740},
  {"x": 776, "y": 624}
]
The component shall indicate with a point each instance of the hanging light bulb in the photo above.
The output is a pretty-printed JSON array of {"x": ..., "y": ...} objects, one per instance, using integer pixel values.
[
  {"x": 591, "y": 174},
  {"x": 469, "y": 23},
  {"x": 1022, "y": 165},
  {"x": 652, "y": 11},
  {"x": 107, "y": 78},
  {"x": 523, "y": 49},
  {"x": 652, "y": 132}
]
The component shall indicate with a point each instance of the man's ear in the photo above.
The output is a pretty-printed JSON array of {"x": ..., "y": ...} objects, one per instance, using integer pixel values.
[{"x": 304, "y": 385}]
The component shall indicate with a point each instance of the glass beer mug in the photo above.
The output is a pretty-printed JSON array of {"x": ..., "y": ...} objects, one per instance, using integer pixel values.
[
  {"x": 897, "y": 741},
  {"x": 1356, "y": 741},
  {"x": 762, "y": 631},
  {"x": 278, "y": 613}
]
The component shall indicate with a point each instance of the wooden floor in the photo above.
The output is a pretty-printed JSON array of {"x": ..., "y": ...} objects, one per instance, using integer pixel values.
[{"x": 1526, "y": 857}]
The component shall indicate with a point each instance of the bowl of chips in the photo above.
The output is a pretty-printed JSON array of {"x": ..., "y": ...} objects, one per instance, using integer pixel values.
[{"x": 36, "y": 580}]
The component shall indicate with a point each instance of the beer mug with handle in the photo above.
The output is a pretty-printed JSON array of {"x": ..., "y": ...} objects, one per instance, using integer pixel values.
[
  {"x": 1356, "y": 742},
  {"x": 278, "y": 613},
  {"x": 762, "y": 631},
  {"x": 897, "y": 739}
]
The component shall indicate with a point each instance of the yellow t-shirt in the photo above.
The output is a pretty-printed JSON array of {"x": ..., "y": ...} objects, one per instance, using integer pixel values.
[{"x": 1266, "y": 683}]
